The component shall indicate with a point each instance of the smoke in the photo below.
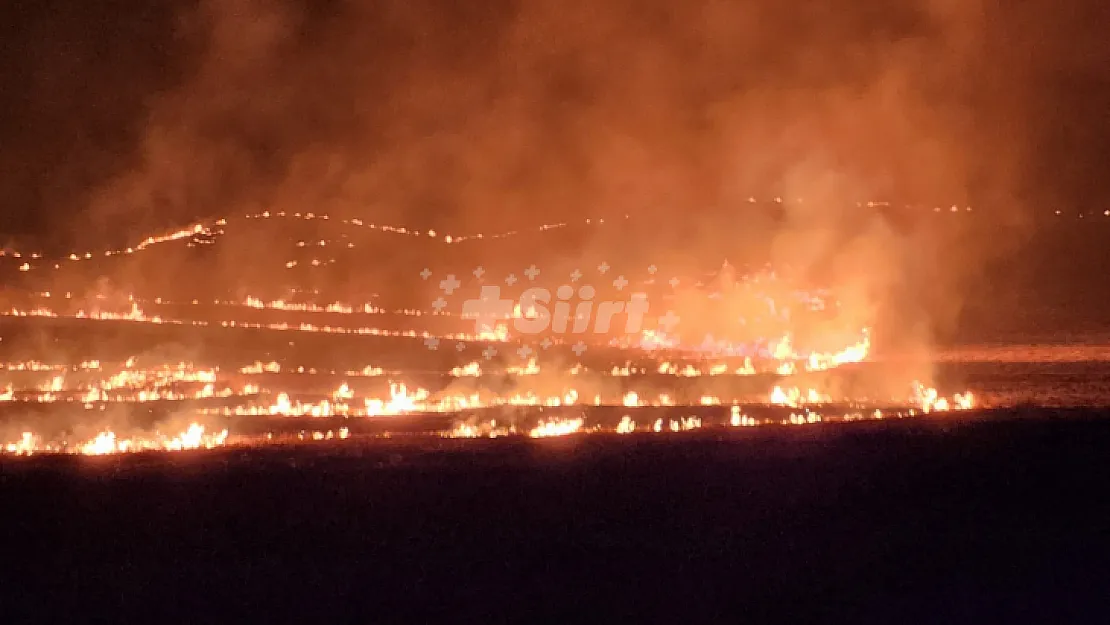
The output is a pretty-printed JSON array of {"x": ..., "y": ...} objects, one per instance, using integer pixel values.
[
  {"x": 499, "y": 112},
  {"x": 487, "y": 116}
]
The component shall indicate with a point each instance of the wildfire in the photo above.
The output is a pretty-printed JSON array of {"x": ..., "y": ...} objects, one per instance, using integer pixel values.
[
  {"x": 738, "y": 419},
  {"x": 25, "y": 446},
  {"x": 108, "y": 442},
  {"x": 343, "y": 393},
  {"x": 399, "y": 402},
  {"x": 850, "y": 355},
  {"x": 680, "y": 425},
  {"x": 804, "y": 418},
  {"x": 472, "y": 370},
  {"x": 631, "y": 400},
  {"x": 779, "y": 348},
  {"x": 164, "y": 383},
  {"x": 556, "y": 427},
  {"x": 931, "y": 401},
  {"x": 529, "y": 369},
  {"x": 334, "y": 307},
  {"x": 259, "y": 368},
  {"x": 625, "y": 371},
  {"x": 794, "y": 397}
]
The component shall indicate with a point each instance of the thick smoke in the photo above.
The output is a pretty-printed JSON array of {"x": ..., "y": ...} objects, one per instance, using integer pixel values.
[
  {"x": 488, "y": 115},
  {"x": 498, "y": 112}
]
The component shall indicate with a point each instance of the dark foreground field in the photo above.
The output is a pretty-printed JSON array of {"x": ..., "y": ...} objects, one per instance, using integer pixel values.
[{"x": 915, "y": 521}]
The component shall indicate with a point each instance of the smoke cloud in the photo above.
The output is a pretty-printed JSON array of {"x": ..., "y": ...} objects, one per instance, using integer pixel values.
[{"x": 499, "y": 114}]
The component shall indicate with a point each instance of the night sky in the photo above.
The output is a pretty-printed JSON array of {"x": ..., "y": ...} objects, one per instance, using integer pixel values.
[{"x": 118, "y": 117}]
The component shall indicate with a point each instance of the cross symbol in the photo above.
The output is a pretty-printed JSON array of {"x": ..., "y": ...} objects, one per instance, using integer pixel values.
[
  {"x": 427, "y": 273},
  {"x": 668, "y": 321},
  {"x": 532, "y": 272},
  {"x": 674, "y": 283},
  {"x": 489, "y": 352},
  {"x": 546, "y": 342},
  {"x": 450, "y": 284},
  {"x": 479, "y": 272},
  {"x": 575, "y": 275},
  {"x": 603, "y": 267},
  {"x": 511, "y": 280},
  {"x": 460, "y": 346},
  {"x": 431, "y": 343},
  {"x": 488, "y": 308},
  {"x": 524, "y": 351},
  {"x": 620, "y": 283},
  {"x": 652, "y": 269},
  {"x": 578, "y": 348},
  {"x": 439, "y": 304}
]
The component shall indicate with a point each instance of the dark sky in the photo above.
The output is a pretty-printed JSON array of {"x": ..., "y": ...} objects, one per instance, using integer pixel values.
[{"x": 119, "y": 116}]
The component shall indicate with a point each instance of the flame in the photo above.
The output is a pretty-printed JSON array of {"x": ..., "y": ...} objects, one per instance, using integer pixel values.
[
  {"x": 556, "y": 427},
  {"x": 529, "y": 369},
  {"x": 783, "y": 349},
  {"x": 804, "y": 418},
  {"x": 738, "y": 419},
  {"x": 852, "y": 354},
  {"x": 787, "y": 356},
  {"x": 624, "y": 371},
  {"x": 685, "y": 424},
  {"x": 399, "y": 402},
  {"x": 472, "y": 370},
  {"x": 794, "y": 397},
  {"x": 25, "y": 446},
  {"x": 107, "y": 442},
  {"x": 104, "y": 443},
  {"x": 929, "y": 400},
  {"x": 259, "y": 368},
  {"x": 343, "y": 393},
  {"x": 475, "y": 429}
]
